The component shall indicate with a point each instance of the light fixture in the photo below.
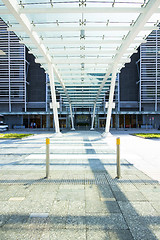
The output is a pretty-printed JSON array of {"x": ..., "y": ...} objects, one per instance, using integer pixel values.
[
  {"x": 82, "y": 34},
  {"x": 82, "y": 66}
]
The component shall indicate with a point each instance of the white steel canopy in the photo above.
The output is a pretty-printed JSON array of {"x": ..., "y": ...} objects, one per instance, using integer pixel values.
[{"x": 86, "y": 42}]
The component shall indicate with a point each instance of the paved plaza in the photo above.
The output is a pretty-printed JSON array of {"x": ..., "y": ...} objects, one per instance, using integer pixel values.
[{"x": 82, "y": 199}]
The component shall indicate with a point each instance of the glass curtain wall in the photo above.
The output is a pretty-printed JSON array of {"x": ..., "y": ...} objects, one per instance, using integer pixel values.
[
  {"x": 150, "y": 73},
  {"x": 12, "y": 69}
]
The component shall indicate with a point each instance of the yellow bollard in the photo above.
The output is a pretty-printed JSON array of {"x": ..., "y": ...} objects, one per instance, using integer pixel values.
[
  {"x": 47, "y": 157},
  {"x": 118, "y": 158}
]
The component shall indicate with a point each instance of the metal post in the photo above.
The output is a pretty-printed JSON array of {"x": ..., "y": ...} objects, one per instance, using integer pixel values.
[
  {"x": 111, "y": 95},
  {"x": 53, "y": 95},
  {"x": 47, "y": 157},
  {"x": 118, "y": 158},
  {"x": 72, "y": 122},
  {"x": 93, "y": 117}
]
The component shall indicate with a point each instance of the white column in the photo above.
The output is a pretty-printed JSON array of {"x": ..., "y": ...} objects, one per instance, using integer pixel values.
[
  {"x": 9, "y": 71},
  {"x": 53, "y": 95},
  {"x": 110, "y": 103},
  {"x": 72, "y": 122},
  {"x": 94, "y": 110}
]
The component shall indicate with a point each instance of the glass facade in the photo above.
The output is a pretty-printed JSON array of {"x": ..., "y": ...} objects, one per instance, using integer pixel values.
[
  {"x": 12, "y": 69},
  {"x": 150, "y": 73}
]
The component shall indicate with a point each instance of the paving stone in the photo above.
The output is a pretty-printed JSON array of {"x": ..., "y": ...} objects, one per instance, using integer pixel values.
[
  {"x": 105, "y": 221},
  {"x": 60, "y": 208},
  {"x": 135, "y": 196},
  {"x": 76, "y": 222},
  {"x": 120, "y": 235},
  {"x": 71, "y": 195},
  {"x": 10, "y": 207},
  {"x": 28, "y": 206},
  {"x": 152, "y": 197},
  {"x": 156, "y": 230},
  {"x": 102, "y": 207},
  {"x": 3, "y": 219},
  {"x": 156, "y": 206},
  {"x": 17, "y": 233},
  {"x": 68, "y": 234},
  {"x": 45, "y": 235},
  {"x": 120, "y": 196},
  {"x": 148, "y": 187},
  {"x": 128, "y": 188},
  {"x": 76, "y": 208},
  {"x": 127, "y": 209},
  {"x": 57, "y": 222},
  {"x": 105, "y": 192},
  {"x": 95, "y": 234},
  {"x": 139, "y": 228},
  {"x": 124, "y": 209},
  {"x": 144, "y": 209}
]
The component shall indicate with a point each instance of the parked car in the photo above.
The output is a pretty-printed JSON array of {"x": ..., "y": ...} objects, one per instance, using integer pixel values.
[{"x": 3, "y": 127}]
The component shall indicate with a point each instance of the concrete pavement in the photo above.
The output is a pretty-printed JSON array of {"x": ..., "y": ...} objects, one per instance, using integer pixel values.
[
  {"x": 82, "y": 199},
  {"x": 143, "y": 153}
]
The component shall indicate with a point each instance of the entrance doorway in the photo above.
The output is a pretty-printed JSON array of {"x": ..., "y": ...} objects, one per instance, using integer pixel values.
[{"x": 83, "y": 121}]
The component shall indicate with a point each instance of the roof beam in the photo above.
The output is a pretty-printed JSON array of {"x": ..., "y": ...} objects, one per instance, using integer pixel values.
[
  {"x": 79, "y": 60},
  {"x": 149, "y": 9},
  {"x": 82, "y": 76},
  {"x": 79, "y": 71},
  {"x": 82, "y": 87},
  {"x": 83, "y": 52},
  {"x": 79, "y": 28},
  {"x": 50, "y": 41},
  {"x": 34, "y": 9},
  {"x": 85, "y": 90},
  {"x": 22, "y": 19}
]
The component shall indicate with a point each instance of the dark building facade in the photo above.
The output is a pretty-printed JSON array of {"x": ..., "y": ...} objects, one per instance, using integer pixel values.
[{"x": 25, "y": 91}]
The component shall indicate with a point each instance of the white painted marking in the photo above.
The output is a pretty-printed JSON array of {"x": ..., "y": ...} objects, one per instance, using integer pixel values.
[
  {"x": 16, "y": 198},
  {"x": 39, "y": 215},
  {"x": 71, "y": 156}
]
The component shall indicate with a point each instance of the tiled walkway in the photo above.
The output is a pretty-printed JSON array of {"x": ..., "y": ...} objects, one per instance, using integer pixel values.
[{"x": 81, "y": 199}]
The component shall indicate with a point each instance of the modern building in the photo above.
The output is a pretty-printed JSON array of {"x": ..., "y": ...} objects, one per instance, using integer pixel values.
[{"x": 25, "y": 94}]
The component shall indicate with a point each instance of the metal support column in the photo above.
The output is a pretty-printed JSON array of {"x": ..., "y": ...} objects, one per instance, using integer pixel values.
[
  {"x": 72, "y": 122},
  {"x": 53, "y": 95},
  {"x": 41, "y": 121},
  {"x": 136, "y": 120},
  {"x": 93, "y": 117},
  {"x": 110, "y": 103},
  {"x": 9, "y": 71},
  {"x": 46, "y": 92},
  {"x": 117, "y": 120},
  {"x": 28, "y": 121},
  {"x": 48, "y": 121}
]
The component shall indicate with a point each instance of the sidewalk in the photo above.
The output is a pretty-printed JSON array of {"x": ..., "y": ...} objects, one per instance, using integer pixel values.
[
  {"x": 143, "y": 153},
  {"x": 81, "y": 199}
]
